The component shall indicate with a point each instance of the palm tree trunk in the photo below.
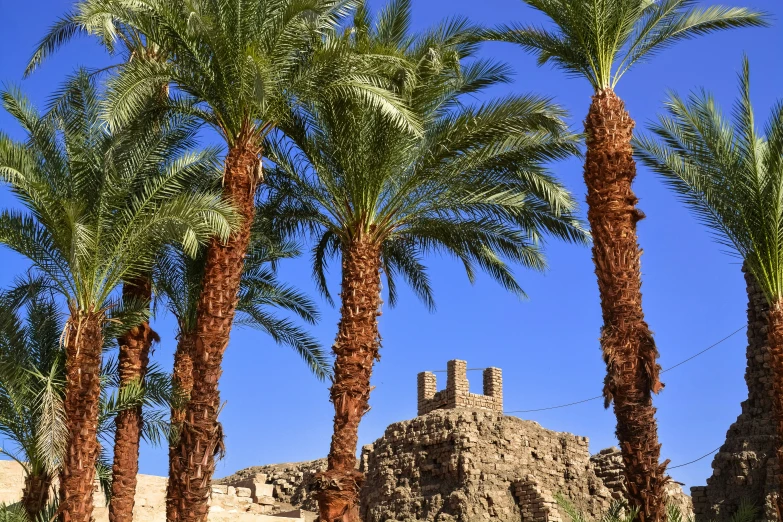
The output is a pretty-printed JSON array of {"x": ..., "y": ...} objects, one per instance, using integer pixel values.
[
  {"x": 35, "y": 494},
  {"x": 183, "y": 384},
  {"x": 627, "y": 343},
  {"x": 133, "y": 362},
  {"x": 83, "y": 347},
  {"x": 775, "y": 336},
  {"x": 201, "y": 438},
  {"x": 356, "y": 350}
]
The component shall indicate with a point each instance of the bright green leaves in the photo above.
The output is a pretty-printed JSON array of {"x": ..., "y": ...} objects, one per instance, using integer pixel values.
[
  {"x": 601, "y": 40},
  {"x": 471, "y": 185},
  {"x": 727, "y": 173},
  {"x": 101, "y": 204}
]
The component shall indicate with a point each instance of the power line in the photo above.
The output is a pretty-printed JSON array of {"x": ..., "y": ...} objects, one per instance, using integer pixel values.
[
  {"x": 466, "y": 369},
  {"x": 732, "y": 334},
  {"x": 559, "y": 406},
  {"x": 696, "y": 460}
]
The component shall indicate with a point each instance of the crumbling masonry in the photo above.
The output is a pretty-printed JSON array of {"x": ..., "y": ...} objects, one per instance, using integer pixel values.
[
  {"x": 462, "y": 460},
  {"x": 745, "y": 466},
  {"x": 457, "y": 393}
]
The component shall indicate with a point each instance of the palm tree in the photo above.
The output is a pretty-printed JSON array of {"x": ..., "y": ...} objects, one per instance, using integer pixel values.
[
  {"x": 162, "y": 142},
  {"x": 178, "y": 279},
  {"x": 31, "y": 381},
  {"x": 473, "y": 187},
  {"x": 90, "y": 18},
  {"x": 601, "y": 40},
  {"x": 241, "y": 66},
  {"x": 135, "y": 344},
  {"x": 732, "y": 178},
  {"x": 93, "y": 221},
  {"x": 32, "y": 385}
]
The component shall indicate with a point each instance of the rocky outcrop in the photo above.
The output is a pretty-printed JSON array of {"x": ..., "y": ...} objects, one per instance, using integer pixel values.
[{"x": 745, "y": 466}]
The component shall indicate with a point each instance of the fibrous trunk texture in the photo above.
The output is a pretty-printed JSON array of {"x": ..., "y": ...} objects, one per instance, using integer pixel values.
[
  {"x": 83, "y": 346},
  {"x": 183, "y": 383},
  {"x": 133, "y": 361},
  {"x": 775, "y": 334},
  {"x": 201, "y": 437},
  {"x": 356, "y": 350},
  {"x": 627, "y": 343},
  {"x": 35, "y": 494}
]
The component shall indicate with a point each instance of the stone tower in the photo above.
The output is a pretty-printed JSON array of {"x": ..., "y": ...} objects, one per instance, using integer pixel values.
[
  {"x": 745, "y": 466},
  {"x": 462, "y": 460},
  {"x": 457, "y": 393}
]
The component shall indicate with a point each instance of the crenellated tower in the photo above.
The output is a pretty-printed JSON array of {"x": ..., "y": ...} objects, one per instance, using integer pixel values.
[{"x": 457, "y": 393}]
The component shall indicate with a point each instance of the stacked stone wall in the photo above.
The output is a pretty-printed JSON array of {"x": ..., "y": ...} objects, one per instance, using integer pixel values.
[
  {"x": 465, "y": 465},
  {"x": 608, "y": 466},
  {"x": 289, "y": 484},
  {"x": 457, "y": 392},
  {"x": 745, "y": 467},
  {"x": 536, "y": 502}
]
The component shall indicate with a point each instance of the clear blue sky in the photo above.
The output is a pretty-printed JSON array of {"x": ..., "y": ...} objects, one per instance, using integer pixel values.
[{"x": 547, "y": 346}]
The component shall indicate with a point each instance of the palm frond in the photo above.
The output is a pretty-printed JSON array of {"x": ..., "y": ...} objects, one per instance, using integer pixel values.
[
  {"x": 100, "y": 205},
  {"x": 473, "y": 185},
  {"x": 718, "y": 167},
  {"x": 601, "y": 41}
]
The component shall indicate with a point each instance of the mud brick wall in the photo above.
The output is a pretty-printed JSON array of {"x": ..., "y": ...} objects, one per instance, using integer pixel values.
[
  {"x": 745, "y": 466},
  {"x": 465, "y": 465},
  {"x": 457, "y": 393},
  {"x": 536, "y": 502}
]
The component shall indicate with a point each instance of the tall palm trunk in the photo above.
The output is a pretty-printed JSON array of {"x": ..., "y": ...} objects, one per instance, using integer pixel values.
[
  {"x": 35, "y": 494},
  {"x": 356, "y": 350},
  {"x": 201, "y": 438},
  {"x": 183, "y": 384},
  {"x": 627, "y": 343},
  {"x": 775, "y": 336},
  {"x": 133, "y": 362},
  {"x": 83, "y": 346}
]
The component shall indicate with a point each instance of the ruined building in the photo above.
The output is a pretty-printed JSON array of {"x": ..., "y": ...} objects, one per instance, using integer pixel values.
[
  {"x": 463, "y": 460},
  {"x": 460, "y": 460},
  {"x": 745, "y": 467}
]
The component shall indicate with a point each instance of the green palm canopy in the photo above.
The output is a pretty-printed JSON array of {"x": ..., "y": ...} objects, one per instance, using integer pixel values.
[
  {"x": 237, "y": 65},
  {"x": 728, "y": 173},
  {"x": 601, "y": 40},
  {"x": 473, "y": 185},
  {"x": 99, "y": 206}
]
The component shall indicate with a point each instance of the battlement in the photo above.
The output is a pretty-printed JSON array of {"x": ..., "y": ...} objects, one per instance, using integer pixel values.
[{"x": 457, "y": 393}]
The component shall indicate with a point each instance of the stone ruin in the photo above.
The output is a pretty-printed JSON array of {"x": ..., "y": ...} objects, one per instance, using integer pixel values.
[
  {"x": 745, "y": 467},
  {"x": 283, "y": 487},
  {"x": 463, "y": 460},
  {"x": 460, "y": 460},
  {"x": 457, "y": 393},
  {"x": 227, "y": 503}
]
